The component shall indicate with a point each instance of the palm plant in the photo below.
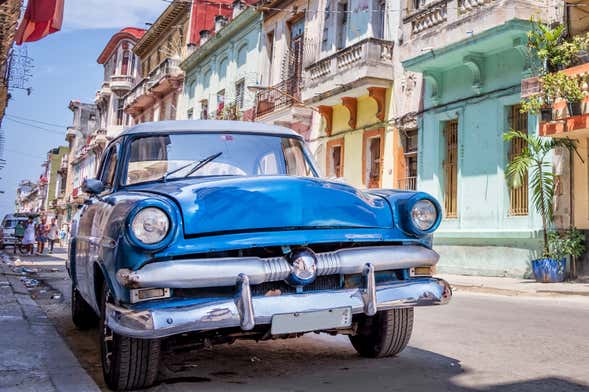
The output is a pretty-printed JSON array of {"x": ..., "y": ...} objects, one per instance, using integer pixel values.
[{"x": 532, "y": 161}]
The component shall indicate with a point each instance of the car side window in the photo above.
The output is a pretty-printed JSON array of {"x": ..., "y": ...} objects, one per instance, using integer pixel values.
[{"x": 109, "y": 166}]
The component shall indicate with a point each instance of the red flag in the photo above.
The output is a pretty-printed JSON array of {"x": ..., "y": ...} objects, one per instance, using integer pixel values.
[{"x": 41, "y": 18}]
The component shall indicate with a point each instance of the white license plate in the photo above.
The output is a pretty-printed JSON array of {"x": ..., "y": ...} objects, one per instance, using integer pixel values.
[{"x": 311, "y": 321}]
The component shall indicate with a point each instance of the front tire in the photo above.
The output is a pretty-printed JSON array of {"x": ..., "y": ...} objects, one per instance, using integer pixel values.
[
  {"x": 127, "y": 363},
  {"x": 83, "y": 315},
  {"x": 385, "y": 334}
]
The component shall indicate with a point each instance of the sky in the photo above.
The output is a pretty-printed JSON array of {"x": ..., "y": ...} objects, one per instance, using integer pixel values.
[{"x": 65, "y": 69}]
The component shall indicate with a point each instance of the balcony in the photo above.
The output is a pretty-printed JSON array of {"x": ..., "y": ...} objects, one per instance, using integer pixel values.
[
  {"x": 563, "y": 123},
  {"x": 440, "y": 23},
  {"x": 103, "y": 93},
  {"x": 63, "y": 166},
  {"x": 407, "y": 184},
  {"x": 164, "y": 79},
  {"x": 365, "y": 62},
  {"x": 121, "y": 84},
  {"x": 280, "y": 96}
]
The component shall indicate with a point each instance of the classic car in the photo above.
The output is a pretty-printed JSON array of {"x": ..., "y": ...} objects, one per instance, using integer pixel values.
[{"x": 203, "y": 232}]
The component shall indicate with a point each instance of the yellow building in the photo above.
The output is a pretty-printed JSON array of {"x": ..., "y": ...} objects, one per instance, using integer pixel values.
[{"x": 349, "y": 79}]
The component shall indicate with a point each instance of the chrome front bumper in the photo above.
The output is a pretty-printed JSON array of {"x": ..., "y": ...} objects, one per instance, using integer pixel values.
[
  {"x": 246, "y": 311},
  {"x": 219, "y": 272}
]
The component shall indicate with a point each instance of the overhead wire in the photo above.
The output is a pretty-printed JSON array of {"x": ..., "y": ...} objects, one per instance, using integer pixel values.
[{"x": 36, "y": 121}]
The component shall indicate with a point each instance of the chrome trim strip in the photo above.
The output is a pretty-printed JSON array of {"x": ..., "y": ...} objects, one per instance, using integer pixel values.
[
  {"x": 223, "y": 313},
  {"x": 217, "y": 272}
]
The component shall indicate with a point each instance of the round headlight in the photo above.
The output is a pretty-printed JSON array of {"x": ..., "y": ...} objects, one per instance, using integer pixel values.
[
  {"x": 424, "y": 214},
  {"x": 150, "y": 225},
  {"x": 303, "y": 266}
]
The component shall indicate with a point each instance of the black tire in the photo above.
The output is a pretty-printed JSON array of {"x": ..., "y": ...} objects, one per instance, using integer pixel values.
[
  {"x": 127, "y": 363},
  {"x": 83, "y": 315},
  {"x": 385, "y": 334}
]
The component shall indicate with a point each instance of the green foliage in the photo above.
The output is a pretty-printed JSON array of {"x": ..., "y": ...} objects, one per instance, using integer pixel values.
[
  {"x": 531, "y": 105},
  {"x": 571, "y": 90},
  {"x": 568, "y": 243},
  {"x": 545, "y": 43},
  {"x": 532, "y": 161}
]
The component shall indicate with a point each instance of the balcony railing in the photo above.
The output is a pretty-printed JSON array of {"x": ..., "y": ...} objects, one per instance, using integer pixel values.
[
  {"x": 435, "y": 13},
  {"x": 169, "y": 68},
  {"x": 121, "y": 84},
  {"x": 407, "y": 184},
  {"x": 366, "y": 51},
  {"x": 280, "y": 96}
]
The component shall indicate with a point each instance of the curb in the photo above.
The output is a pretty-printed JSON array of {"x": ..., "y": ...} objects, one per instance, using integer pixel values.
[
  {"x": 517, "y": 293},
  {"x": 63, "y": 368}
]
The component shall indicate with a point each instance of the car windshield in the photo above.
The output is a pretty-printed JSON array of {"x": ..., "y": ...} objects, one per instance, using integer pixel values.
[{"x": 166, "y": 157}]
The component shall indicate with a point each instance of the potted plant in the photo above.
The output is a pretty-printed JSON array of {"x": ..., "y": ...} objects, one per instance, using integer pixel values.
[
  {"x": 532, "y": 162},
  {"x": 569, "y": 243},
  {"x": 549, "y": 46},
  {"x": 572, "y": 93}
]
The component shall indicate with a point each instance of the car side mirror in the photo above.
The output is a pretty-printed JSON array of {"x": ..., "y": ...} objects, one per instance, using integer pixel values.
[{"x": 93, "y": 186}]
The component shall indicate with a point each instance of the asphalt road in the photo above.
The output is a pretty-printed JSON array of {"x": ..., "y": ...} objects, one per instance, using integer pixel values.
[{"x": 477, "y": 343}]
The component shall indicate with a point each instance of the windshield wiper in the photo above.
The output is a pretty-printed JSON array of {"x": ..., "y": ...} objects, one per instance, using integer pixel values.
[
  {"x": 204, "y": 162},
  {"x": 165, "y": 176}
]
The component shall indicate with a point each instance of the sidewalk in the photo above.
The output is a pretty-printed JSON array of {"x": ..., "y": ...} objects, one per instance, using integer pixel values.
[
  {"x": 514, "y": 287},
  {"x": 34, "y": 357}
]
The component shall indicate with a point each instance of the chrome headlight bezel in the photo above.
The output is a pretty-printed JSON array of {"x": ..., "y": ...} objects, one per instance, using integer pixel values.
[
  {"x": 407, "y": 214},
  {"x": 423, "y": 214},
  {"x": 162, "y": 207}
]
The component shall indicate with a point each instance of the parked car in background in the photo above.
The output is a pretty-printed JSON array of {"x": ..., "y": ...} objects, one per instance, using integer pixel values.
[
  {"x": 211, "y": 231},
  {"x": 9, "y": 224}
]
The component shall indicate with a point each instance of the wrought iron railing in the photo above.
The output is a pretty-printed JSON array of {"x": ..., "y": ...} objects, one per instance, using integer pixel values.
[
  {"x": 279, "y": 96},
  {"x": 407, "y": 183}
]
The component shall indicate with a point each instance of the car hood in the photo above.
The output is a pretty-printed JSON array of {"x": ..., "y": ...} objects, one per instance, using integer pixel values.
[{"x": 240, "y": 204}]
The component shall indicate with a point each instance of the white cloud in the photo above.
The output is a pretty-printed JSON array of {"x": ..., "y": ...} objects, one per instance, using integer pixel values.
[{"x": 109, "y": 14}]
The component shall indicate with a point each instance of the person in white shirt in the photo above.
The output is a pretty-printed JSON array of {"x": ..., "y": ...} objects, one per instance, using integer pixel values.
[{"x": 52, "y": 234}]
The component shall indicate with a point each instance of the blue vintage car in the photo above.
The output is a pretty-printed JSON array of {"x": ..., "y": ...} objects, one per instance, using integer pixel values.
[{"x": 221, "y": 230}]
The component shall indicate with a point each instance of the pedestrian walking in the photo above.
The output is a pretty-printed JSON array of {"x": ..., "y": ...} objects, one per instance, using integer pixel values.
[
  {"x": 41, "y": 235},
  {"x": 52, "y": 234},
  {"x": 29, "y": 236},
  {"x": 63, "y": 236}
]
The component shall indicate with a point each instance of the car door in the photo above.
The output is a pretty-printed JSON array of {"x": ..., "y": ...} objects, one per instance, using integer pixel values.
[{"x": 91, "y": 226}]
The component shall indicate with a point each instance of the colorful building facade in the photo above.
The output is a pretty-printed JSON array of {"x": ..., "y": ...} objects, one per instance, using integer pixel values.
[
  {"x": 220, "y": 71},
  {"x": 470, "y": 97},
  {"x": 122, "y": 70},
  {"x": 348, "y": 79}
]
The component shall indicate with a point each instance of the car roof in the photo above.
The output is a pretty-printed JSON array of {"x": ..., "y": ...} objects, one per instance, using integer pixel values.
[{"x": 207, "y": 126}]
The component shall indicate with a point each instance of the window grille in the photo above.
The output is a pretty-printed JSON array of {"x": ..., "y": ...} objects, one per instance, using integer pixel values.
[
  {"x": 451, "y": 169},
  {"x": 518, "y": 197}
]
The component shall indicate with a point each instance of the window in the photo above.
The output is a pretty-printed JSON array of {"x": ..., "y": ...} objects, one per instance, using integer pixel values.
[
  {"x": 241, "y": 55},
  {"x": 270, "y": 53},
  {"x": 450, "y": 166},
  {"x": 416, "y": 4},
  {"x": 518, "y": 197},
  {"x": 220, "y": 102},
  {"x": 120, "y": 112},
  {"x": 379, "y": 18},
  {"x": 204, "y": 109},
  {"x": 409, "y": 141},
  {"x": 133, "y": 61},
  {"x": 335, "y": 158},
  {"x": 342, "y": 24},
  {"x": 190, "y": 114},
  {"x": 206, "y": 81},
  {"x": 239, "y": 91},
  {"x": 223, "y": 69},
  {"x": 326, "y": 21},
  {"x": 109, "y": 166},
  {"x": 125, "y": 64},
  {"x": 372, "y": 157}
]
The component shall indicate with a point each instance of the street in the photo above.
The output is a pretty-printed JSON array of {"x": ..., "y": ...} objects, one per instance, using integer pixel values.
[{"x": 479, "y": 342}]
